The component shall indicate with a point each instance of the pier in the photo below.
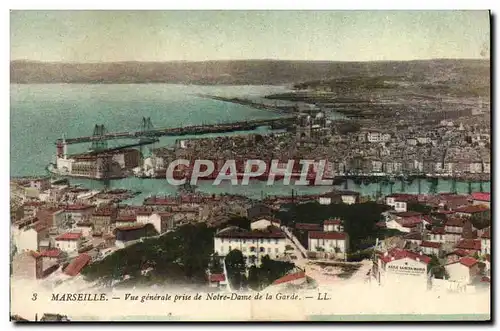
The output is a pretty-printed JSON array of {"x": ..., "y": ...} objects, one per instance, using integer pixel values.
[{"x": 148, "y": 131}]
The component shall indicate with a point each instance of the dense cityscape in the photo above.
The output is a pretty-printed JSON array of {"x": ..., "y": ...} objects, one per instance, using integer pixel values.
[
  {"x": 390, "y": 219},
  {"x": 228, "y": 242}
]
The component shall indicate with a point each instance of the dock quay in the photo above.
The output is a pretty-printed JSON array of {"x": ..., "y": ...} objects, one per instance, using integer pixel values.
[
  {"x": 256, "y": 105},
  {"x": 275, "y": 123}
]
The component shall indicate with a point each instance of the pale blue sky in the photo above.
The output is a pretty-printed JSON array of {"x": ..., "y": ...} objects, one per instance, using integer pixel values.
[{"x": 92, "y": 36}]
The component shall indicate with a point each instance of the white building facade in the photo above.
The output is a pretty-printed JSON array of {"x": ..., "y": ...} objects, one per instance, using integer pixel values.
[
  {"x": 463, "y": 271},
  {"x": 69, "y": 242},
  {"x": 430, "y": 248},
  {"x": 336, "y": 243},
  {"x": 399, "y": 267},
  {"x": 254, "y": 245},
  {"x": 486, "y": 243},
  {"x": 29, "y": 239}
]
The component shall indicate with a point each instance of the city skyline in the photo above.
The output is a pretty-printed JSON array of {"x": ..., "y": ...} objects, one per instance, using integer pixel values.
[{"x": 163, "y": 36}]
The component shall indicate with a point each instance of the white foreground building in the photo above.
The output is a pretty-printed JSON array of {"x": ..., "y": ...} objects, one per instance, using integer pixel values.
[
  {"x": 253, "y": 244},
  {"x": 399, "y": 267}
]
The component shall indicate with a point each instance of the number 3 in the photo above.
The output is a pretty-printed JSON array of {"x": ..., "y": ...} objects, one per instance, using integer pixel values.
[{"x": 34, "y": 297}]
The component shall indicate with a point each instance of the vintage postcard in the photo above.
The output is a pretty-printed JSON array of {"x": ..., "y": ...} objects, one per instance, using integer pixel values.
[{"x": 250, "y": 166}]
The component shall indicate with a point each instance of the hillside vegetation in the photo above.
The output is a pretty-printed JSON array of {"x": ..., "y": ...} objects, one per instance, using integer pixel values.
[{"x": 242, "y": 72}]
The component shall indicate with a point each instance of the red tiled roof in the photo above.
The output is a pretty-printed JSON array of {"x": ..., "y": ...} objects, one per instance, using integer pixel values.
[
  {"x": 35, "y": 255},
  {"x": 244, "y": 234},
  {"x": 307, "y": 226},
  {"x": 437, "y": 230},
  {"x": 413, "y": 236},
  {"x": 468, "y": 261},
  {"x": 403, "y": 197},
  {"x": 450, "y": 196},
  {"x": 469, "y": 244},
  {"x": 217, "y": 278},
  {"x": 408, "y": 214},
  {"x": 290, "y": 278},
  {"x": 410, "y": 221},
  {"x": 430, "y": 244},
  {"x": 455, "y": 222},
  {"x": 427, "y": 219},
  {"x": 77, "y": 207},
  {"x": 70, "y": 236},
  {"x": 49, "y": 210},
  {"x": 472, "y": 209},
  {"x": 459, "y": 252},
  {"x": 51, "y": 253},
  {"x": 327, "y": 235},
  {"x": 131, "y": 227},
  {"x": 481, "y": 196},
  {"x": 77, "y": 265},
  {"x": 161, "y": 201},
  {"x": 398, "y": 254},
  {"x": 485, "y": 279}
]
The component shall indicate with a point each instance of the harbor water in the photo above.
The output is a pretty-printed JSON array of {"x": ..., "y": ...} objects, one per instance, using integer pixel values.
[{"x": 42, "y": 113}]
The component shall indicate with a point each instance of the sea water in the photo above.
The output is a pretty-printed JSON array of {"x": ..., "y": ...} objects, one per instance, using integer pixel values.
[{"x": 43, "y": 113}]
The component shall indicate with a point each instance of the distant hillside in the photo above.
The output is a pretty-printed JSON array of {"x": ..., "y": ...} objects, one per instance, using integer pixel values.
[{"x": 252, "y": 72}]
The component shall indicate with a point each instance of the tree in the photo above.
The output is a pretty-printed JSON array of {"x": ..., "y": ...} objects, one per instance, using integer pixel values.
[
  {"x": 180, "y": 256},
  {"x": 481, "y": 266},
  {"x": 419, "y": 208},
  {"x": 272, "y": 270},
  {"x": 253, "y": 259},
  {"x": 253, "y": 278},
  {"x": 480, "y": 222},
  {"x": 68, "y": 221},
  {"x": 150, "y": 230},
  {"x": 436, "y": 269},
  {"x": 236, "y": 267},
  {"x": 359, "y": 220},
  {"x": 215, "y": 264},
  {"x": 241, "y": 222}
]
